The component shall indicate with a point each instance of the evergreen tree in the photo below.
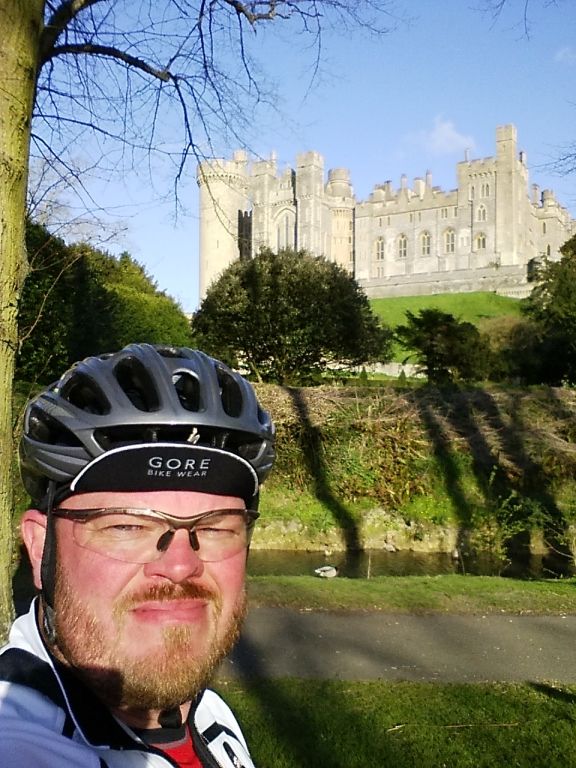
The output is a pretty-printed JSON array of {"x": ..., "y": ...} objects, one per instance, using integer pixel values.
[
  {"x": 288, "y": 316},
  {"x": 446, "y": 349}
]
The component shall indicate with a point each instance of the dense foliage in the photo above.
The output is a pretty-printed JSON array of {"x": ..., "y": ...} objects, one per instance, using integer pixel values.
[
  {"x": 79, "y": 301},
  {"x": 288, "y": 316},
  {"x": 445, "y": 348},
  {"x": 552, "y": 309}
]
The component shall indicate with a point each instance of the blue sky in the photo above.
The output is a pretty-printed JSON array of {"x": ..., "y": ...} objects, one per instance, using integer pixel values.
[{"x": 411, "y": 101}]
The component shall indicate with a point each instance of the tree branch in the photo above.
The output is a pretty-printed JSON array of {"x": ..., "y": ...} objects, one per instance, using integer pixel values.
[
  {"x": 110, "y": 52},
  {"x": 58, "y": 22}
]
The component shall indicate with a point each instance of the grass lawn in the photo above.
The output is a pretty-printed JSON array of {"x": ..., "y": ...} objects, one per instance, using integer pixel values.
[
  {"x": 474, "y": 307},
  {"x": 416, "y": 594},
  {"x": 326, "y": 724},
  {"x": 470, "y": 307}
]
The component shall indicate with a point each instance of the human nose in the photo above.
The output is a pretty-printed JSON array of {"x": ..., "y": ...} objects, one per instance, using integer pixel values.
[{"x": 178, "y": 561}]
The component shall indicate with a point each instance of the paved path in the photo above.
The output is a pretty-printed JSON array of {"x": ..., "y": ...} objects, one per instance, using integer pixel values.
[{"x": 284, "y": 643}]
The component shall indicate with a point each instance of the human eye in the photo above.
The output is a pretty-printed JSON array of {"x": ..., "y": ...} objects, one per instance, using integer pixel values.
[
  {"x": 120, "y": 527},
  {"x": 221, "y": 528}
]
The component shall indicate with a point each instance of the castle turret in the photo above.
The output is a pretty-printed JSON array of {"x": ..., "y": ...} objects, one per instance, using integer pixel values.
[
  {"x": 223, "y": 203},
  {"x": 341, "y": 203}
]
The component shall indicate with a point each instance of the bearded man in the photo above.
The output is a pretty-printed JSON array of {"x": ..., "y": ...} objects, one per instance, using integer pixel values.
[{"x": 144, "y": 468}]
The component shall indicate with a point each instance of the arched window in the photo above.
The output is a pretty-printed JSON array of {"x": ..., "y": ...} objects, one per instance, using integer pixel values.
[
  {"x": 425, "y": 242},
  {"x": 402, "y": 246},
  {"x": 285, "y": 223},
  {"x": 481, "y": 213},
  {"x": 380, "y": 249},
  {"x": 481, "y": 242},
  {"x": 485, "y": 190},
  {"x": 449, "y": 241}
]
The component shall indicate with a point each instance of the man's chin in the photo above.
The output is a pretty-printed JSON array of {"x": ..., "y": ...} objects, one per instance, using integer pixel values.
[
  {"x": 168, "y": 668},
  {"x": 161, "y": 674}
]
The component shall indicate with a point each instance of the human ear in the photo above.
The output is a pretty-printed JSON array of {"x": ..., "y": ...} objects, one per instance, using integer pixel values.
[{"x": 33, "y": 530}]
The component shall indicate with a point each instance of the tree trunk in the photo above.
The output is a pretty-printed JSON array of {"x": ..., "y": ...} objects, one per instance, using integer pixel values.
[{"x": 21, "y": 23}]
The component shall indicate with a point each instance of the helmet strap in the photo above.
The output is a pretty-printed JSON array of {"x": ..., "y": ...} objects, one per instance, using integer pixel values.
[
  {"x": 48, "y": 569},
  {"x": 48, "y": 623}
]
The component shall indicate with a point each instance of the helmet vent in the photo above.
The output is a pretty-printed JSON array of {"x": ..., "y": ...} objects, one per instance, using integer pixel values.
[
  {"x": 112, "y": 437},
  {"x": 45, "y": 429},
  {"x": 83, "y": 392},
  {"x": 230, "y": 392},
  {"x": 188, "y": 391},
  {"x": 137, "y": 385}
]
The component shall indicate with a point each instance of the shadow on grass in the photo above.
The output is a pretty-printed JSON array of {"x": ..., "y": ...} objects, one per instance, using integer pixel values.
[
  {"x": 559, "y": 694},
  {"x": 372, "y": 725},
  {"x": 310, "y": 443},
  {"x": 280, "y": 720},
  {"x": 514, "y": 487}
]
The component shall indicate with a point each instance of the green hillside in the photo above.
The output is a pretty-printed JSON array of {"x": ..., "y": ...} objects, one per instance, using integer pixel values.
[{"x": 470, "y": 307}]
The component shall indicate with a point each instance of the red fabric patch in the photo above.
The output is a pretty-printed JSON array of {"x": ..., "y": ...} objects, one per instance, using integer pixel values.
[{"x": 182, "y": 753}]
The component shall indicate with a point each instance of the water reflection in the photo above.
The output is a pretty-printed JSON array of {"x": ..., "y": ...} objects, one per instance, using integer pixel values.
[{"x": 372, "y": 563}]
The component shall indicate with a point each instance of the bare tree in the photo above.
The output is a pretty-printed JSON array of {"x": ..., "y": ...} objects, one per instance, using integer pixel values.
[
  {"x": 102, "y": 76},
  {"x": 521, "y": 15}
]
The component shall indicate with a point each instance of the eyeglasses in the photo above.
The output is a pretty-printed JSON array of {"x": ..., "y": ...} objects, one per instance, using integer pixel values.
[{"x": 143, "y": 535}]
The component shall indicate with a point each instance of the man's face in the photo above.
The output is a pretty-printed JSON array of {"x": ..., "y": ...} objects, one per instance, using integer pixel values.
[{"x": 146, "y": 636}]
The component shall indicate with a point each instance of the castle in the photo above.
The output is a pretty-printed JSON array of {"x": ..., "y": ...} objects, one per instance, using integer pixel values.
[{"x": 486, "y": 235}]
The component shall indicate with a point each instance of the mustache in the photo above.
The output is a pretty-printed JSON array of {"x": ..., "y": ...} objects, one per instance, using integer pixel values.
[{"x": 166, "y": 592}]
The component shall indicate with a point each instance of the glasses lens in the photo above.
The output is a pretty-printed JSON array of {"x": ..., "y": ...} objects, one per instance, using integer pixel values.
[
  {"x": 222, "y": 535},
  {"x": 134, "y": 537},
  {"x": 122, "y": 536}
]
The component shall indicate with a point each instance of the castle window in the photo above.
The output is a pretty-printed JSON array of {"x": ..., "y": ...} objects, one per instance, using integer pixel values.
[
  {"x": 481, "y": 213},
  {"x": 285, "y": 224},
  {"x": 411, "y": 218},
  {"x": 472, "y": 192},
  {"x": 425, "y": 241},
  {"x": 485, "y": 190},
  {"x": 402, "y": 246},
  {"x": 455, "y": 210},
  {"x": 543, "y": 227},
  {"x": 548, "y": 251},
  {"x": 481, "y": 242},
  {"x": 449, "y": 240},
  {"x": 380, "y": 249},
  {"x": 444, "y": 213}
]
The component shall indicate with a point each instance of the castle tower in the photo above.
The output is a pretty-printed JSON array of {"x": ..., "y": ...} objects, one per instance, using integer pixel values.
[
  {"x": 263, "y": 189},
  {"x": 512, "y": 204},
  {"x": 309, "y": 195},
  {"x": 223, "y": 202},
  {"x": 341, "y": 203}
]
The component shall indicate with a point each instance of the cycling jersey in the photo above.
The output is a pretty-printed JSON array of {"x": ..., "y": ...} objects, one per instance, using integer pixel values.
[{"x": 50, "y": 719}]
